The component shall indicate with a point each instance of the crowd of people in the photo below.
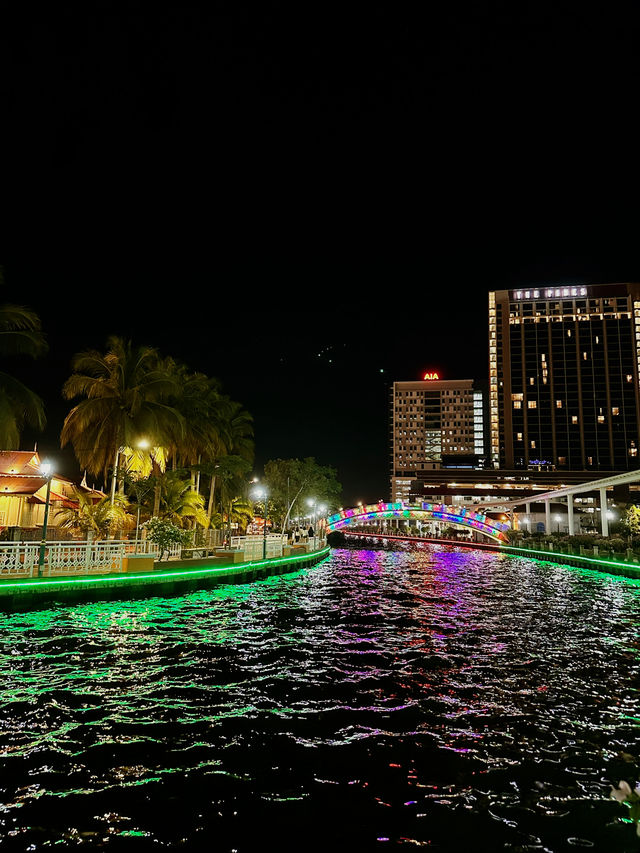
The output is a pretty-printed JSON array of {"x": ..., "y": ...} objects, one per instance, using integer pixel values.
[{"x": 300, "y": 534}]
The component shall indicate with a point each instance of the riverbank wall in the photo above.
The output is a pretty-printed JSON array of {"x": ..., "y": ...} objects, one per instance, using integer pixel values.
[
  {"x": 168, "y": 579},
  {"x": 582, "y": 561}
]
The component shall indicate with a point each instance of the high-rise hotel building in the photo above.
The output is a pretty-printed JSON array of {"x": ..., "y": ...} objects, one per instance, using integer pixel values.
[
  {"x": 435, "y": 424},
  {"x": 563, "y": 377}
]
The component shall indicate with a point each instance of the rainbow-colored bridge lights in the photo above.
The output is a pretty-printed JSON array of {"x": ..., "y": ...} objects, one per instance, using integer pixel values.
[{"x": 462, "y": 516}]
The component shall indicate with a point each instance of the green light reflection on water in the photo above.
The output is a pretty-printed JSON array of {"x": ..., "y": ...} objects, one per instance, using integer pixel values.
[{"x": 146, "y": 625}]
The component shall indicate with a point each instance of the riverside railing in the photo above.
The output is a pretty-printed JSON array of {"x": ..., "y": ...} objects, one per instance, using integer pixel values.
[
  {"x": 60, "y": 558},
  {"x": 253, "y": 546}
]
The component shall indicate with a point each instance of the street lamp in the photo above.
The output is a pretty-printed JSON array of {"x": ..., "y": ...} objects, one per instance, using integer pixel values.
[
  {"x": 322, "y": 510},
  {"x": 142, "y": 444},
  {"x": 262, "y": 494},
  {"x": 47, "y": 471},
  {"x": 311, "y": 502}
]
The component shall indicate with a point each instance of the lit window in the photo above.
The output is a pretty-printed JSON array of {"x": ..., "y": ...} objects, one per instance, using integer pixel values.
[
  {"x": 589, "y": 460},
  {"x": 517, "y": 396},
  {"x": 518, "y": 436},
  {"x": 584, "y": 356},
  {"x": 517, "y": 404},
  {"x": 629, "y": 377},
  {"x": 562, "y": 460},
  {"x": 558, "y": 404},
  {"x": 568, "y": 333},
  {"x": 532, "y": 404},
  {"x": 533, "y": 445},
  {"x": 531, "y": 380},
  {"x": 615, "y": 410},
  {"x": 600, "y": 419},
  {"x": 574, "y": 419}
]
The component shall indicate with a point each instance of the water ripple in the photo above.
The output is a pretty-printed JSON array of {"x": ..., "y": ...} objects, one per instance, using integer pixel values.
[{"x": 435, "y": 698}]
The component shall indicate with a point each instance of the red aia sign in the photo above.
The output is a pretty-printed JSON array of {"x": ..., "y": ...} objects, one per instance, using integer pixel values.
[{"x": 431, "y": 376}]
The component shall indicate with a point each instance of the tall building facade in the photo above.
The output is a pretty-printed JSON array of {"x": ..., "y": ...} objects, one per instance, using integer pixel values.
[
  {"x": 563, "y": 377},
  {"x": 435, "y": 424}
]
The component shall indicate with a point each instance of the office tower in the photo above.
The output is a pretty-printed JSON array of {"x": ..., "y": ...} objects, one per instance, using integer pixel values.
[
  {"x": 434, "y": 424},
  {"x": 563, "y": 377}
]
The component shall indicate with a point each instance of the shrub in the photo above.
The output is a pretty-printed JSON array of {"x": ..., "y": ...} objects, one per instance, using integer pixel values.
[{"x": 164, "y": 534}]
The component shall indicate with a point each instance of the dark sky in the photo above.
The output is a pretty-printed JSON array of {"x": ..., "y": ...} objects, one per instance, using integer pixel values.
[{"x": 247, "y": 189}]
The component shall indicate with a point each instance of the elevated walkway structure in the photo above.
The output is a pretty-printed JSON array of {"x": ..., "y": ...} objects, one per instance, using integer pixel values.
[
  {"x": 568, "y": 492},
  {"x": 457, "y": 516}
]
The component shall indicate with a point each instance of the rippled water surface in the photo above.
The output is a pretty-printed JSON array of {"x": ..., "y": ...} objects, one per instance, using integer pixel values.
[{"x": 438, "y": 698}]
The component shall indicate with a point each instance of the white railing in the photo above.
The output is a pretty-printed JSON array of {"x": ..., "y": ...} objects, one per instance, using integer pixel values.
[
  {"x": 144, "y": 546},
  {"x": 253, "y": 546},
  {"x": 20, "y": 559}
]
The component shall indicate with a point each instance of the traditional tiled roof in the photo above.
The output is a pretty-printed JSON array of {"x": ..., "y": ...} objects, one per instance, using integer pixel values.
[
  {"x": 19, "y": 462},
  {"x": 20, "y": 475},
  {"x": 20, "y": 485}
]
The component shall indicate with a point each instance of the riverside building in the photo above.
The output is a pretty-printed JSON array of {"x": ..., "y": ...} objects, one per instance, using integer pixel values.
[
  {"x": 563, "y": 378},
  {"x": 435, "y": 424}
]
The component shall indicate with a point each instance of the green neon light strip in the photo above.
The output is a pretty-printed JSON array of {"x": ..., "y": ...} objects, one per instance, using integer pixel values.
[
  {"x": 545, "y": 554},
  {"x": 124, "y": 578}
]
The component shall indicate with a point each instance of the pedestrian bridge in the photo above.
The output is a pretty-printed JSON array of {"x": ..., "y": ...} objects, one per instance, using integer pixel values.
[{"x": 455, "y": 515}]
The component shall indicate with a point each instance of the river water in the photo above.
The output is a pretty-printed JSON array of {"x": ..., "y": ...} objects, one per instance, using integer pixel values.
[{"x": 437, "y": 698}]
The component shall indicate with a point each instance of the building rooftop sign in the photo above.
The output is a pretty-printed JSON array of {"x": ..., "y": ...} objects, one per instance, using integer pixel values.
[
  {"x": 431, "y": 375},
  {"x": 550, "y": 293}
]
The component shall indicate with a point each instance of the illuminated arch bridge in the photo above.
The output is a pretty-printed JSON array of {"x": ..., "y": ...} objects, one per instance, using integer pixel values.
[{"x": 459, "y": 516}]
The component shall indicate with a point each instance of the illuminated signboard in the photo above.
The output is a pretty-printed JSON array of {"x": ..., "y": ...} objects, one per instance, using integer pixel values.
[
  {"x": 432, "y": 375},
  {"x": 549, "y": 293}
]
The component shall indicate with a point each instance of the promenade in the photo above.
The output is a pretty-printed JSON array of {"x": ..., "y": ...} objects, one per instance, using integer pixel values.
[{"x": 142, "y": 576}]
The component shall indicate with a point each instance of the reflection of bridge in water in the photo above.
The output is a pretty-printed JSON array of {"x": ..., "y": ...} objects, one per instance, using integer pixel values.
[{"x": 387, "y": 517}]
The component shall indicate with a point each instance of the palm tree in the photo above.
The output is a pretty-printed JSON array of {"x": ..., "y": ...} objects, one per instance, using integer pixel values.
[
  {"x": 20, "y": 334},
  {"x": 178, "y": 502},
  {"x": 241, "y": 512},
  {"x": 199, "y": 403},
  {"x": 127, "y": 391},
  {"x": 101, "y": 518},
  {"x": 235, "y": 439},
  {"x": 231, "y": 472}
]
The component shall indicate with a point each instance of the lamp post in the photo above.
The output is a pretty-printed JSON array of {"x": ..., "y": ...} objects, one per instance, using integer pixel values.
[
  {"x": 311, "y": 502},
  {"x": 114, "y": 477},
  {"x": 323, "y": 508},
  {"x": 263, "y": 494},
  {"x": 47, "y": 470},
  {"x": 142, "y": 444}
]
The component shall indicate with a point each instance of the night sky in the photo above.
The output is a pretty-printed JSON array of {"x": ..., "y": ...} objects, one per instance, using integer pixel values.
[{"x": 296, "y": 200}]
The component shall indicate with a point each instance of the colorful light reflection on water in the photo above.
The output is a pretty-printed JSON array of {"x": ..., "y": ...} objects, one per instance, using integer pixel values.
[{"x": 442, "y": 698}]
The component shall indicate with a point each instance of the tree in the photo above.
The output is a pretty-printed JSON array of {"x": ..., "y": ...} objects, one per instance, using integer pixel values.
[
  {"x": 178, "y": 502},
  {"x": 231, "y": 472},
  {"x": 235, "y": 438},
  {"x": 241, "y": 513},
  {"x": 127, "y": 391},
  {"x": 20, "y": 334},
  {"x": 199, "y": 401},
  {"x": 100, "y": 518},
  {"x": 292, "y": 482},
  {"x": 165, "y": 534},
  {"x": 631, "y": 521}
]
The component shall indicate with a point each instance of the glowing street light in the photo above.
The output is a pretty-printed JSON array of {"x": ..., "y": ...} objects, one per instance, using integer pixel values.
[
  {"x": 322, "y": 509},
  {"x": 47, "y": 471},
  {"x": 141, "y": 444},
  {"x": 262, "y": 495}
]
